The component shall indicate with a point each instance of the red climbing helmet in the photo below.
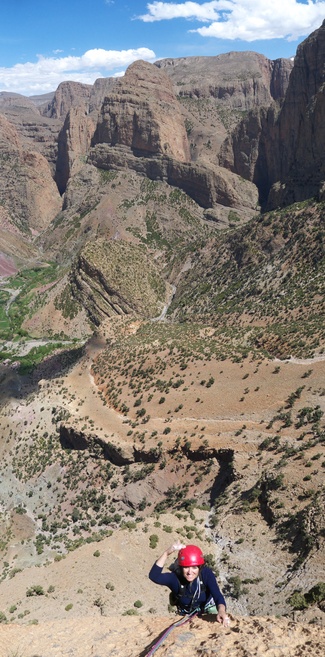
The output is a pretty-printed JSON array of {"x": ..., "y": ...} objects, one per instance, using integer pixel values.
[{"x": 191, "y": 555}]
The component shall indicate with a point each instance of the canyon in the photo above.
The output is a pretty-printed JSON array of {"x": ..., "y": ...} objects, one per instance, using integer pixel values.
[{"x": 162, "y": 355}]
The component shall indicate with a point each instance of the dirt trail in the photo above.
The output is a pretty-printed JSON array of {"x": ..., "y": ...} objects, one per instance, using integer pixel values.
[
  {"x": 107, "y": 419},
  {"x": 163, "y": 313},
  {"x": 301, "y": 361}
]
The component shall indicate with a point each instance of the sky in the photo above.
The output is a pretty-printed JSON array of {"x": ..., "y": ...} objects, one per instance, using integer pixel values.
[{"x": 44, "y": 43}]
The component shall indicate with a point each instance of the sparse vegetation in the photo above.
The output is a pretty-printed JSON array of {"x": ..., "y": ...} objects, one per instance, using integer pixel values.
[
  {"x": 197, "y": 427},
  {"x": 315, "y": 595},
  {"x": 36, "y": 589}
]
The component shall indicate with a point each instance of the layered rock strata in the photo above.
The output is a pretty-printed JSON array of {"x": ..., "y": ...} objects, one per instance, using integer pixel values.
[
  {"x": 30, "y": 199},
  {"x": 281, "y": 148},
  {"x": 116, "y": 278},
  {"x": 208, "y": 186},
  {"x": 239, "y": 80},
  {"x": 143, "y": 113}
]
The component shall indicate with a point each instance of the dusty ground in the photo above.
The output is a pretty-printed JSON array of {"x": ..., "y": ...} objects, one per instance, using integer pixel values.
[{"x": 134, "y": 637}]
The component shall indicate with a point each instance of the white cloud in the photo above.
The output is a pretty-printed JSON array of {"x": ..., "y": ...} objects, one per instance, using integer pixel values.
[
  {"x": 47, "y": 73},
  {"x": 248, "y": 20},
  {"x": 207, "y": 11}
]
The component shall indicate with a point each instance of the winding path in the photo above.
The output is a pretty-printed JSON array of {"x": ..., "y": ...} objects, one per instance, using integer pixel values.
[
  {"x": 301, "y": 361},
  {"x": 163, "y": 313}
]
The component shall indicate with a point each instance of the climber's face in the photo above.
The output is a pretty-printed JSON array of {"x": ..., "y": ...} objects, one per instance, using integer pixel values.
[{"x": 190, "y": 573}]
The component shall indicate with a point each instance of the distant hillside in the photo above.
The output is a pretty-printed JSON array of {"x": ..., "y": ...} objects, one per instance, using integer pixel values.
[{"x": 266, "y": 278}]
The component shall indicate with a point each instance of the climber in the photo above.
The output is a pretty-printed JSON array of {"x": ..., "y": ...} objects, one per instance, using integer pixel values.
[{"x": 193, "y": 585}]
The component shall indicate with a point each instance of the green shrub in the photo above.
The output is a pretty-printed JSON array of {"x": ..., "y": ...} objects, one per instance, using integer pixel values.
[
  {"x": 211, "y": 563},
  {"x": 237, "y": 588},
  {"x": 298, "y": 601},
  {"x": 20, "y": 509},
  {"x": 109, "y": 586},
  {"x": 153, "y": 541},
  {"x": 138, "y": 603},
  {"x": 316, "y": 593},
  {"x": 76, "y": 515},
  {"x": 36, "y": 589}
]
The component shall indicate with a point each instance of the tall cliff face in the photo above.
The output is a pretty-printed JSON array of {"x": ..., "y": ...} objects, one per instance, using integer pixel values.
[
  {"x": 300, "y": 170},
  {"x": 78, "y": 105},
  {"x": 29, "y": 196},
  {"x": 143, "y": 114},
  {"x": 75, "y": 94},
  {"x": 142, "y": 127},
  {"x": 36, "y": 132},
  {"x": 73, "y": 145},
  {"x": 239, "y": 80},
  {"x": 207, "y": 186},
  {"x": 281, "y": 71},
  {"x": 281, "y": 148},
  {"x": 67, "y": 95},
  {"x": 179, "y": 121},
  {"x": 215, "y": 93}
]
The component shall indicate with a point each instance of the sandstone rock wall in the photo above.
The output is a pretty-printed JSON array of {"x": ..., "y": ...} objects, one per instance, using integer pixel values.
[
  {"x": 281, "y": 148},
  {"x": 37, "y": 132},
  {"x": 143, "y": 113},
  {"x": 73, "y": 145},
  {"x": 75, "y": 94},
  {"x": 206, "y": 185},
  {"x": 29, "y": 195},
  {"x": 239, "y": 80},
  {"x": 301, "y": 126},
  {"x": 143, "y": 121},
  {"x": 67, "y": 95}
]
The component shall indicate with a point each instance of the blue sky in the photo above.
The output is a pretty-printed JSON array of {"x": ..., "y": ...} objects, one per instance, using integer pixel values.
[{"x": 44, "y": 43}]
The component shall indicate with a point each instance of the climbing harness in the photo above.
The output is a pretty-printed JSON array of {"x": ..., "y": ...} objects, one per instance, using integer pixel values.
[
  {"x": 192, "y": 609},
  {"x": 192, "y": 604},
  {"x": 169, "y": 629}
]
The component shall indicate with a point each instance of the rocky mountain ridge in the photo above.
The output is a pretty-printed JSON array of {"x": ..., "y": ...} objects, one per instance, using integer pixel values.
[
  {"x": 64, "y": 129},
  {"x": 242, "y": 80},
  {"x": 207, "y": 128}
]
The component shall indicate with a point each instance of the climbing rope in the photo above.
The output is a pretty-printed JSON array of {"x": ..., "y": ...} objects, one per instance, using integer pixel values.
[{"x": 165, "y": 634}]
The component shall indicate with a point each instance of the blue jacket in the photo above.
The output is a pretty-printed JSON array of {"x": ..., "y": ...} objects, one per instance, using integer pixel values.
[{"x": 186, "y": 590}]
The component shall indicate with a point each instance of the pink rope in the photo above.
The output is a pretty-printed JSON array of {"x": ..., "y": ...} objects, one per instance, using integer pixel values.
[{"x": 182, "y": 621}]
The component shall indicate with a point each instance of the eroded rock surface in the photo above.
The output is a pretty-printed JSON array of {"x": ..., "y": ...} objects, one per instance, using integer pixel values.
[
  {"x": 275, "y": 147},
  {"x": 30, "y": 198},
  {"x": 143, "y": 113}
]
